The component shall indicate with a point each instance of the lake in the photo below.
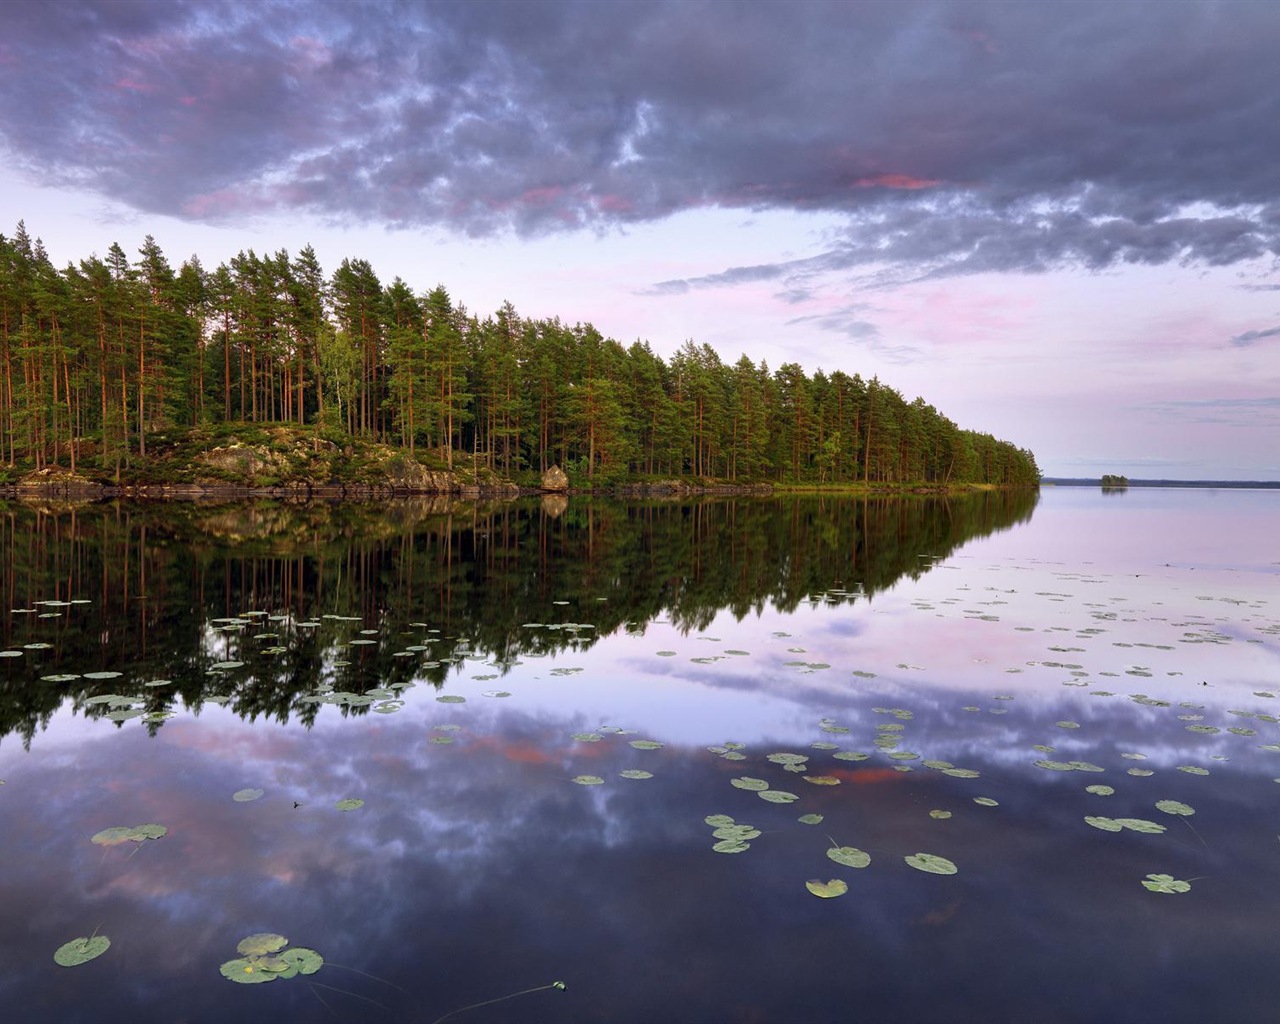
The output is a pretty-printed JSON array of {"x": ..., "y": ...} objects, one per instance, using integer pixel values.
[{"x": 996, "y": 758}]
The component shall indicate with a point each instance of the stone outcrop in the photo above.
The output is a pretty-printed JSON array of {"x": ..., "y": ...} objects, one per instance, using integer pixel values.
[{"x": 554, "y": 481}]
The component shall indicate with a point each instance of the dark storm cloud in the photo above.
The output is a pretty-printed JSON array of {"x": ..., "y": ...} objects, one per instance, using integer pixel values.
[{"x": 955, "y": 137}]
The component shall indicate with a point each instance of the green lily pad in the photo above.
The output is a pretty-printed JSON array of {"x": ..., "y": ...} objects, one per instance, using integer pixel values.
[
  {"x": 1165, "y": 883},
  {"x": 754, "y": 785},
  {"x": 636, "y": 773},
  {"x": 851, "y": 755},
  {"x": 451, "y": 698},
  {"x": 119, "y": 834},
  {"x": 245, "y": 972},
  {"x": 821, "y": 780},
  {"x": 850, "y": 856},
  {"x": 304, "y": 960},
  {"x": 587, "y": 737},
  {"x": 829, "y": 889},
  {"x": 646, "y": 744},
  {"x": 718, "y": 820},
  {"x": 1106, "y": 824},
  {"x": 261, "y": 944},
  {"x": 1099, "y": 790},
  {"x": 986, "y": 801},
  {"x": 1192, "y": 769},
  {"x": 1141, "y": 825},
  {"x": 785, "y": 759},
  {"x": 961, "y": 773},
  {"x": 777, "y": 796},
  {"x": 810, "y": 819},
  {"x": 588, "y": 780},
  {"x": 243, "y": 796},
  {"x": 730, "y": 846},
  {"x": 740, "y": 832},
  {"x": 81, "y": 950},
  {"x": 939, "y": 815},
  {"x": 931, "y": 863},
  {"x": 1175, "y": 807},
  {"x": 349, "y": 804}
]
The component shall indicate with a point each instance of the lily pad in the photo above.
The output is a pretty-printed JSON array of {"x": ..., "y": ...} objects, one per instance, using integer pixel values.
[
  {"x": 349, "y": 804},
  {"x": 1099, "y": 790},
  {"x": 931, "y": 863},
  {"x": 777, "y": 796},
  {"x": 243, "y": 796},
  {"x": 451, "y": 698},
  {"x": 939, "y": 815},
  {"x": 748, "y": 783},
  {"x": 636, "y": 773},
  {"x": 646, "y": 744},
  {"x": 810, "y": 819},
  {"x": 81, "y": 950},
  {"x": 245, "y": 972},
  {"x": 588, "y": 780},
  {"x": 304, "y": 960},
  {"x": 986, "y": 801},
  {"x": 850, "y": 856},
  {"x": 829, "y": 889},
  {"x": 1141, "y": 825},
  {"x": 1175, "y": 807},
  {"x": 1165, "y": 883},
  {"x": 261, "y": 943}
]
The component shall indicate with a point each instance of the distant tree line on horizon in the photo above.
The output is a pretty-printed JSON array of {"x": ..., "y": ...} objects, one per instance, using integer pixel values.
[{"x": 100, "y": 356}]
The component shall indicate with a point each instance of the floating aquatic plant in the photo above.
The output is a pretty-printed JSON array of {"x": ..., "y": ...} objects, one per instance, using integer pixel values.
[
  {"x": 829, "y": 889},
  {"x": 263, "y": 957},
  {"x": 81, "y": 950},
  {"x": 120, "y": 834},
  {"x": 931, "y": 863},
  {"x": 1165, "y": 883}
]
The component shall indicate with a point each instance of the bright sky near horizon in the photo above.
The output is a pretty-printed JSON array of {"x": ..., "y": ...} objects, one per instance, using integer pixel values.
[{"x": 1058, "y": 223}]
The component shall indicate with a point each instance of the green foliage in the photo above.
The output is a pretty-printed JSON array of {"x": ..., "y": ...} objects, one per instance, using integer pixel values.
[{"x": 126, "y": 351}]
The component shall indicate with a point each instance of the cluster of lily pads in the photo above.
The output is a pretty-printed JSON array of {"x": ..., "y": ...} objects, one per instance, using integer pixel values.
[
  {"x": 264, "y": 957},
  {"x": 117, "y": 835}
]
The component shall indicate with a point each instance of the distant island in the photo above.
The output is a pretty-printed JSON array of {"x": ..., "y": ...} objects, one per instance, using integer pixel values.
[
  {"x": 265, "y": 371},
  {"x": 1072, "y": 481},
  {"x": 1112, "y": 483}
]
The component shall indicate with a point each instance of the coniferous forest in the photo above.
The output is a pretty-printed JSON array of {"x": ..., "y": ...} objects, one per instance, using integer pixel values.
[{"x": 102, "y": 357}]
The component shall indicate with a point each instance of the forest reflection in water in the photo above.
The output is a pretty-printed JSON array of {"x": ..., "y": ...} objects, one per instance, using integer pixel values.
[
  {"x": 155, "y": 581},
  {"x": 573, "y": 702}
]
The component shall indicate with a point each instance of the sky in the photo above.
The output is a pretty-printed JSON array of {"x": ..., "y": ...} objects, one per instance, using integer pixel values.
[{"x": 1057, "y": 223}]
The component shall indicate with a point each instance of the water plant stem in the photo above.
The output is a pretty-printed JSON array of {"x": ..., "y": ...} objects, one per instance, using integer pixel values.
[{"x": 490, "y": 1002}]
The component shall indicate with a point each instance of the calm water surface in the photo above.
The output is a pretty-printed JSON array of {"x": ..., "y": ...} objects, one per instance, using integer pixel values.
[{"x": 468, "y": 672}]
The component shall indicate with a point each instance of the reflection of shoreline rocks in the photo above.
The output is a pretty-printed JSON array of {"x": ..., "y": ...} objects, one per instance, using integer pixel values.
[{"x": 555, "y": 505}]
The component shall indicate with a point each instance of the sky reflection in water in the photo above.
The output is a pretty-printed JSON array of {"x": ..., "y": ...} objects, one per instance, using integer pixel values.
[{"x": 477, "y": 868}]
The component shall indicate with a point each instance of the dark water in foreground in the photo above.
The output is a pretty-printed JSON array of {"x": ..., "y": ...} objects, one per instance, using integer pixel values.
[{"x": 943, "y": 647}]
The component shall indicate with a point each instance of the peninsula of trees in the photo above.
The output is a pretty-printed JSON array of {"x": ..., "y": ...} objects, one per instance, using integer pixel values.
[{"x": 102, "y": 359}]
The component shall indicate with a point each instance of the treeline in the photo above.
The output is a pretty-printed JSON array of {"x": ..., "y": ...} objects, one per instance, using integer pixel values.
[{"x": 100, "y": 356}]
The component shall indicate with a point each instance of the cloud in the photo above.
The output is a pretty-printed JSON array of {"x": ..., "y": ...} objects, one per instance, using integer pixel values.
[
  {"x": 1249, "y": 337},
  {"x": 950, "y": 136},
  {"x": 1241, "y": 412}
]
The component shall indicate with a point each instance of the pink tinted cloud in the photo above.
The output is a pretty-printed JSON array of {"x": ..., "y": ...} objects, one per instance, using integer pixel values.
[
  {"x": 896, "y": 181},
  {"x": 133, "y": 85}
]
